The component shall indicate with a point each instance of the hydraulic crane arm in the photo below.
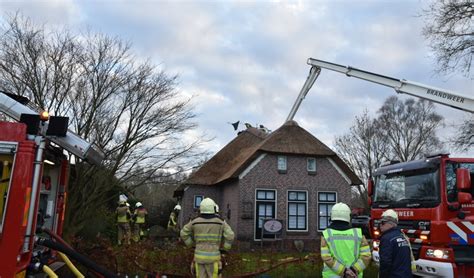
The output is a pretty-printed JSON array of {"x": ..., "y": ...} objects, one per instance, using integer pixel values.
[{"x": 401, "y": 86}]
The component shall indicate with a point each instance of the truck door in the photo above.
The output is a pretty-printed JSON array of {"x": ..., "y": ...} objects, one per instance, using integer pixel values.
[{"x": 7, "y": 151}]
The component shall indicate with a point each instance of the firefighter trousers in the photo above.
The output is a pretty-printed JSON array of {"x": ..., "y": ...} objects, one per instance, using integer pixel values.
[
  {"x": 123, "y": 233},
  {"x": 137, "y": 231},
  {"x": 208, "y": 270}
]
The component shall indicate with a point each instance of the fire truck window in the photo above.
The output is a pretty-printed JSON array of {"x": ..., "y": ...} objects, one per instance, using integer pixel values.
[
  {"x": 451, "y": 189},
  {"x": 5, "y": 173},
  {"x": 408, "y": 187}
]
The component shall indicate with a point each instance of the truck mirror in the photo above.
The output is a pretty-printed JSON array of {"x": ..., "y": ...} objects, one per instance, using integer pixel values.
[
  {"x": 370, "y": 187},
  {"x": 463, "y": 179},
  {"x": 464, "y": 198}
]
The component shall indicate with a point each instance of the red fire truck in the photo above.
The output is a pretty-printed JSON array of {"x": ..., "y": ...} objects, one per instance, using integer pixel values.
[
  {"x": 433, "y": 199},
  {"x": 33, "y": 183},
  {"x": 433, "y": 196}
]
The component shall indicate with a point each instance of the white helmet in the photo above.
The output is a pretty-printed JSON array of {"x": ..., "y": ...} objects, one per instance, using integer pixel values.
[
  {"x": 390, "y": 215},
  {"x": 341, "y": 211},
  {"x": 138, "y": 204},
  {"x": 177, "y": 207},
  {"x": 207, "y": 206}
]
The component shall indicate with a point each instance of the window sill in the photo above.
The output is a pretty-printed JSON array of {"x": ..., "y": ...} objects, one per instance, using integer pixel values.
[
  {"x": 281, "y": 171},
  {"x": 312, "y": 173},
  {"x": 297, "y": 232}
]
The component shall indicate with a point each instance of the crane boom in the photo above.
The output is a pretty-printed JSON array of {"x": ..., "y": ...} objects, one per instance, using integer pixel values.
[{"x": 441, "y": 96}]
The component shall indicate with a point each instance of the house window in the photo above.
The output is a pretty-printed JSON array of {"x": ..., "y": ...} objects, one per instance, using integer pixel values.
[
  {"x": 265, "y": 195},
  {"x": 282, "y": 164},
  {"x": 297, "y": 214},
  {"x": 265, "y": 208},
  {"x": 311, "y": 165},
  {"x": 325, "y": 202},
  {"x": 197, "y": 200}
]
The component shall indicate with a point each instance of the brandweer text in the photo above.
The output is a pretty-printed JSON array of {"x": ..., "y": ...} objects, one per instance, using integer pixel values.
[{"x": 445, "y": 95}]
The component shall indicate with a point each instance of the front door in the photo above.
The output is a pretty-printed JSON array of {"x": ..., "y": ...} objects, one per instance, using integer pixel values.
[{"x": 264, "y": 208}]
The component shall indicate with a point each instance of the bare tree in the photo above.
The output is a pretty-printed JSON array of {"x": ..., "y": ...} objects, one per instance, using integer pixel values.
[
  {"x": 409, "y": 128},
  {"x": 131, "y": 109},
  {"x": 31, "y": 65},
  {"x": 363, "y": 149},
  {"x": 403, "y": 130},
  {"x": 464, "y": 138},
  {"x": 450, "y": 31}
]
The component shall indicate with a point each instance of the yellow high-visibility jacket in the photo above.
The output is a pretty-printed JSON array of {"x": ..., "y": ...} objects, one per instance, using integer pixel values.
[
  {"x": 139, "y": 215},
  {"x": 123, "y": 214},
  {"x": 335, "y": 261},
  {"x": 207, "y": 232}
]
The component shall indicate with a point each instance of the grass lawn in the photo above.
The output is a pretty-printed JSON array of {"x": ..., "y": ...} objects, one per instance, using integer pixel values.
[
  {"x": 173, "y": 260},
  {"x": 279, "y": 265}
]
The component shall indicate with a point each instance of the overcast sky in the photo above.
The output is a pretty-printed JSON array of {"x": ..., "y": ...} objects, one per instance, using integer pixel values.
[{"x": 246, "y": 60}]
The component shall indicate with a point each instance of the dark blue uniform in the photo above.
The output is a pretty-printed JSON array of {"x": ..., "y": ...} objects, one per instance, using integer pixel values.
[{"x": 395, "y": 255}]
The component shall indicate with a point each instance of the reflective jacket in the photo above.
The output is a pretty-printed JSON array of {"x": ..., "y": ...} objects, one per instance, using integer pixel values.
[
  {"x": 139, "y": 215},
  {"x": 207, "y": 232},
  {"x": 172, "y": 221},
  {"x": 395, "y": 255},
  {"x": 123, "y": 214},
  {"x": 344, "y": 247}
]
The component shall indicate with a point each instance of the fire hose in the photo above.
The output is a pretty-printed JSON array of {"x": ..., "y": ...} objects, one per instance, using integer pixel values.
[
  {"x": 49, "y": 272},
  {"x": 243, "y": 275},
  {"x": 46, "y": 269},
  {"x": 60, "y": 240},
  {"x": 69, "y": 264},
  {"x": 76, "y": 256}
]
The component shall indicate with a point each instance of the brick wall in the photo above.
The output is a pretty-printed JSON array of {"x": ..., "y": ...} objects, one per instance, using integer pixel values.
[
  {"x": 238, "y": 197},
  {"x": 229, "y": 204},
  {"x": 265, "y": 176},
  {"x": 187, "y": 207}
]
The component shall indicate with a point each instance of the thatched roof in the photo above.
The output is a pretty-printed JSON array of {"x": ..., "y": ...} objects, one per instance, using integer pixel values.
[
  {"x": 289, "y": 139},
  {"x": 292, "y": 139}
]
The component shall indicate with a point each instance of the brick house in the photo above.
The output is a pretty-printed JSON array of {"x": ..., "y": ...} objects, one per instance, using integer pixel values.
[{"x": 287, "y": 174}]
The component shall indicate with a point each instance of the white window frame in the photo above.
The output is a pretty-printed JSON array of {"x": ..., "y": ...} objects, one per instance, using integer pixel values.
[
  {"x": 288, "y": 201},
  {"x": 255, "y": 200},
  {"x": 308, "y": 163},
  {"x": 324, "y": 203},
  {"x": 282, "y": 168},
  {"x": 195, "y": 205}
]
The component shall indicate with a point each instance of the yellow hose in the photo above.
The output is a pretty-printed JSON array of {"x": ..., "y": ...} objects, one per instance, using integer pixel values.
[
  {"x": 49, "y": 272},
  {"x": 71, "y": 266}
]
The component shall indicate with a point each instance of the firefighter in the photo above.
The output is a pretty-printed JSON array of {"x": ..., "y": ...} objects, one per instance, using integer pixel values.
[
  {"x": 173, "y": 220},
  {"x": 395, "y": 252},
  {"x": 123, "y": 222},
  {"x": 139, "y": 221},
  {"x": 207, "y": 232},
  {"x": 344, "y": 250}
]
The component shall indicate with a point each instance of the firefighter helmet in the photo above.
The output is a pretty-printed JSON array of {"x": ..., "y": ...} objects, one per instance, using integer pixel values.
[
  {"x": 390, "y": 215},
  {"x": 177, "y": 207},
  {"x": 207, "y": 206},
  {"x": 341, "y": 211},
  {"x": 138, "y": 204}
]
